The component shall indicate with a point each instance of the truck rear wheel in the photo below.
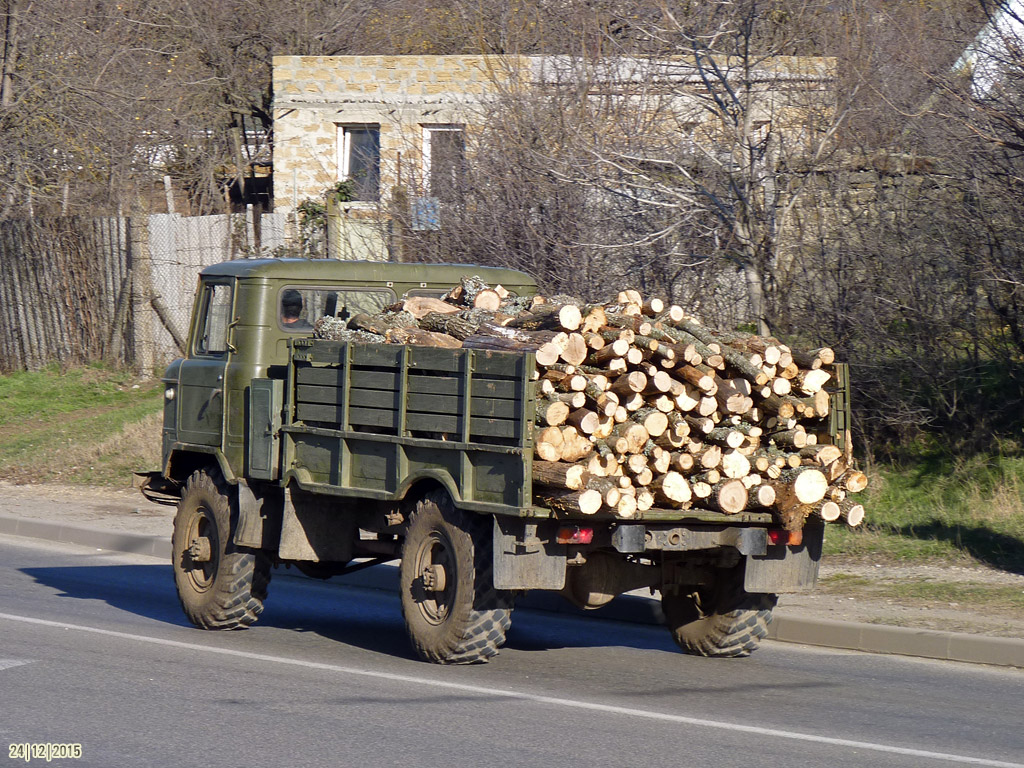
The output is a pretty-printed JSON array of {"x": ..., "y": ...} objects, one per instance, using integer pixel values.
[
  {"x": 219, "y": 585},
  {"x": 721, "y": 619},
  {"x": 452, "y": 611}
]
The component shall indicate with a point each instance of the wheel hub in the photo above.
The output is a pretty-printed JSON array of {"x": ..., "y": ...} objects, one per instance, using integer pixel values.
[
  {"x": 434, "y": 578},
  {"x": 201, "y": 554},
  {"x": 433, "y": 568},
  {"x": 199, "y": 550}
]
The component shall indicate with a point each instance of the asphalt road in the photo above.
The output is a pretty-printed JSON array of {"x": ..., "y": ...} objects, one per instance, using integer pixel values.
[{"x": 95, "y": 651}]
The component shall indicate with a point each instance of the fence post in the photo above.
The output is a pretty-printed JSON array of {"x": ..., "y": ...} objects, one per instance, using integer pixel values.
[{"x": 141, "y": 285}]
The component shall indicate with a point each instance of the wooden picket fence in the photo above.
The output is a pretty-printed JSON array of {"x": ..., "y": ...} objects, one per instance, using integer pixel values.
[{"x": 65, "y": 292}]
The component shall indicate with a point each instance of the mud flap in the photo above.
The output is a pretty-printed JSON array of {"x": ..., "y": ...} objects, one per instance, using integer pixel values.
[
  {"x": 786, "y": 569},
  {"x": 259, "y": 518},
  {"x": 526, "y": 555}
]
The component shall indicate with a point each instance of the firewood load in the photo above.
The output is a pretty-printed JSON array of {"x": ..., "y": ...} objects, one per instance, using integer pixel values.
[{"x": 640, "y": 406}]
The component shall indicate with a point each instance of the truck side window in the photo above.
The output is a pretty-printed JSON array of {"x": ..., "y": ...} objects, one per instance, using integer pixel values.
[
  {"x": 365, "y": 302},
  {"x": 299, "y": 308},
  {"x": 299, "y": 316},
  {"x": 213, "y": 331}
]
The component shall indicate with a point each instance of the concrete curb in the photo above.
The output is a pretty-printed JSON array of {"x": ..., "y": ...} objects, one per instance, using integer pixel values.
[
  {"x": 868, "y": 638},
  {"x": 118, "y": 541}
]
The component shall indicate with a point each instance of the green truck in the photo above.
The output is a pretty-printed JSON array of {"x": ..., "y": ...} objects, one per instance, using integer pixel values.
[{"x": 279, "y": 448}]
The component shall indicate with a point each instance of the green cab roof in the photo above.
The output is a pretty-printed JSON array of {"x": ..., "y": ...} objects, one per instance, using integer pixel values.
[{"x": 372, "y": 272}]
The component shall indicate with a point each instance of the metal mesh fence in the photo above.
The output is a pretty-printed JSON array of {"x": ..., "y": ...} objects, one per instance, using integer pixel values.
[{"x": 179, "y": 248}]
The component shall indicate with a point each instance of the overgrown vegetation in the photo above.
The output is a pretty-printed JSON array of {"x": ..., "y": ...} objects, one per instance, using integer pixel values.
[
  {"x": 942, "y": 507},
  {"x": 86, "y": 425}
]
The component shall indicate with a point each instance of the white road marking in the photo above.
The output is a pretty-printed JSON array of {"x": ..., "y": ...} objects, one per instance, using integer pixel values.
[
  {"x": 536, "y": 698},
  {"x": 11, "y": 663}
]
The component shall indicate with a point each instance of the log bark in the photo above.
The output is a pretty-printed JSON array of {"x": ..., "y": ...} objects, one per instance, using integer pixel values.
[
  {"x": 587, "y": 502},
  {"x": 420, "y": 306},
  {"x": 851, "y": 512},
  {"x": 560, "y": 474},
  {"x": 417, "y": 336},
  {"x": 636, "y": 401},
  {"x": 828, "y": 511},
  {"x": 551, "y": 413},
  {"x": 853, "y": 481},
  {"x": 735, "y": 465}
]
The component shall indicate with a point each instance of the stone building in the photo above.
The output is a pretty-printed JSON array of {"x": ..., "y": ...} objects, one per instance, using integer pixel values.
[{"x": 359, "y": 130}]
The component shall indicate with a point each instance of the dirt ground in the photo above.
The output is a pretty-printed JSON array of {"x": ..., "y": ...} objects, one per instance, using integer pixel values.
[
  {"x": 848, "y": 590},
  {"x": 870, "y": 600}
]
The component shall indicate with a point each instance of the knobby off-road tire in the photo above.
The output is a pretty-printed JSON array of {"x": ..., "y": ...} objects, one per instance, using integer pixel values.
[
  {"x": 465, "y": 620},
  {"x": 719, "y": 620},
  {"x": 227, "y": 590}
]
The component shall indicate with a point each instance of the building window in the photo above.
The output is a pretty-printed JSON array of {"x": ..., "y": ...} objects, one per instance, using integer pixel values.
[
  {"x": 359, "y": 159},
  {"x": 444, "y": 152}
]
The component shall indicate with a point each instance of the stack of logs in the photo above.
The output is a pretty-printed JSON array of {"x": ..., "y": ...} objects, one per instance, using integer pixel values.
[{"x": 640, "y": 406}]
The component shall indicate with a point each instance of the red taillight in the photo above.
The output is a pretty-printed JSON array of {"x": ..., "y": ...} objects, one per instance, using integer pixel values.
[
  {"x": 575, "y": 535},
  {"x": 779, "y": 536}
]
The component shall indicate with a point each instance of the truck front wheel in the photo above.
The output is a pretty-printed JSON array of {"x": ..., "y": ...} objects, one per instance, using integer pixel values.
[
  {"x": 453, "y": 614},
  {"x": 219, "y": 585},
  {"x": 720, "y": 619}
]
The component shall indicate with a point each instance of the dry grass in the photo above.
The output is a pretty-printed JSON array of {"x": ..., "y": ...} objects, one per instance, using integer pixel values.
[
  {"x": 966, "y": 509},
  {"x": 1001, "y": 504},
  {"x": 136, "y": 446}
]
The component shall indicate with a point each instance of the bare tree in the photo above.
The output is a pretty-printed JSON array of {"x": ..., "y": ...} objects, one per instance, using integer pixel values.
[
  {"x": 689, "y": 148},
  {"x": 102, "y": 98}
]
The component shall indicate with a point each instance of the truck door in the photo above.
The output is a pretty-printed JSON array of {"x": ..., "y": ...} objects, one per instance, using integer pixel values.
[{"x": 201, "y": 389}]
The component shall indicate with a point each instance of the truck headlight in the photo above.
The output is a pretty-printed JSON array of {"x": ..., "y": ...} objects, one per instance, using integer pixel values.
[{"x": 169, "y": 393}]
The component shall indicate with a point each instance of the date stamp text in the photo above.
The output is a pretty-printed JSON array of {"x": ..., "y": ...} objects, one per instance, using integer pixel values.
[{"x": 43, "y": 750}]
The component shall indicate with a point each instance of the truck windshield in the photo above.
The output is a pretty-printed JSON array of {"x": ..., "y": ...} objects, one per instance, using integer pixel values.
[{"x": 213, "y": 332}]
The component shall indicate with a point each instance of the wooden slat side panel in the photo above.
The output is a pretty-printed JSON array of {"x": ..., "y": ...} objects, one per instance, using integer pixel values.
[
  {"x": 377, "y": 355},
  {"x": 435, "y": 359},
  {"x": 433, "y": 424},
  {"x": 494, "y": 409},
  {"x": 497, "y": 419},
  {"x": 485, "y": 430},
  {"x": 502, "y": 389},
  {"x": 511, "y": 365},
  {"x": 378, "y": 418},
  {"x": 373, "y": 398},
  {"x": 308, "y": 393},
  {"x": 432, "y": 385},
  {"x": 325, "y": 377},
  {"x": 328, "y": 414},
  {"x": 327, "y": 352},
  {"x": 441, "y": 404},
  {"x": 374, "y": 378}
]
